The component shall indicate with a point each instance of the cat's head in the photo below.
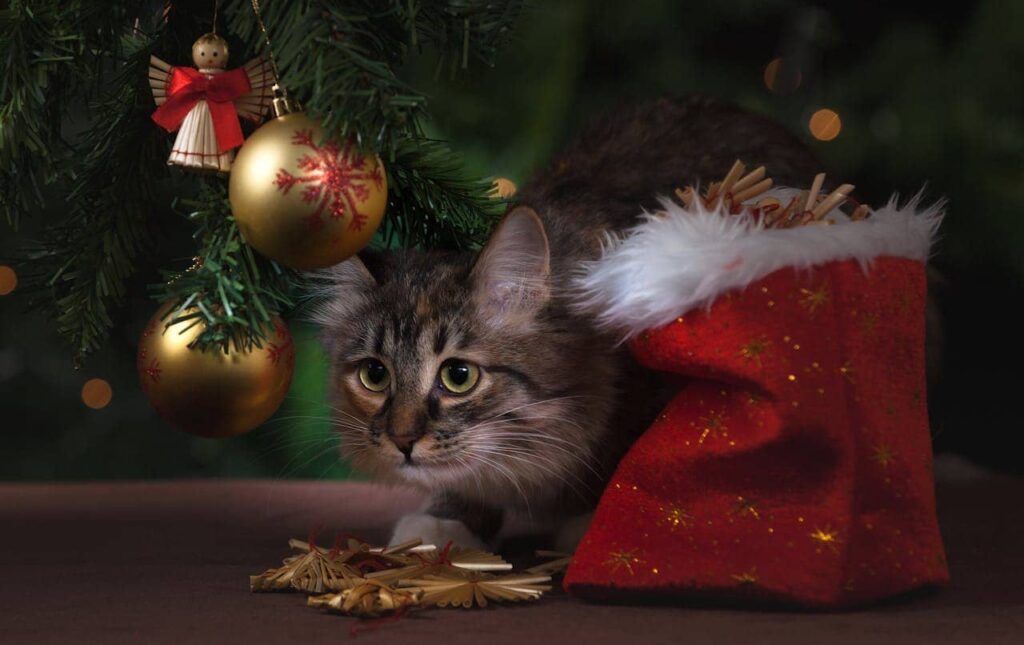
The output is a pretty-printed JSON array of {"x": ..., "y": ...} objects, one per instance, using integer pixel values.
[{"x": 465, "y": 373}]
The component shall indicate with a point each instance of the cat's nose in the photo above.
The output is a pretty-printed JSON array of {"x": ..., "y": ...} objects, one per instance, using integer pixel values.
[{"x": 404, "y": 443}]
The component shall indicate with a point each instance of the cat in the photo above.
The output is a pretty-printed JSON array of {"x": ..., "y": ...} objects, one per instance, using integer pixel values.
[{"x": 475, "y": 378}]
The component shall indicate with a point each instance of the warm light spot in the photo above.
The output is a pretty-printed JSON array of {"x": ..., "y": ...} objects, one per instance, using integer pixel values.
[
  {"x": 792, "y": 377},
  {"x": 8, "y": 280},
  {"x": 825, "y": 124},
  {"x": 96, "y": 393},
  {"x": 503, "y": 188},
  {"x": 780, "y": 76}
]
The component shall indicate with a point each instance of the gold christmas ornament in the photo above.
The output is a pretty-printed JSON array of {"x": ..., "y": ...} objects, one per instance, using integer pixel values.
[
  {"x": 302, "y": 201},
  {"x": 212, "y": 393}
]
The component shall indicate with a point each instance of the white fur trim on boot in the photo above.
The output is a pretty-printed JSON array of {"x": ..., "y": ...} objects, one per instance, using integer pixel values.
[{"x": 683, "y": 258}]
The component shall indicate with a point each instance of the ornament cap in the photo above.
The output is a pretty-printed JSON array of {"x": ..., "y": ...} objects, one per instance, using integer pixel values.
[{"x": 282, "y": 105}]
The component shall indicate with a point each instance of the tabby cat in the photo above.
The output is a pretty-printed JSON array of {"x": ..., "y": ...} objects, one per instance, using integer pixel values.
[{"x": 473, "y": 376}]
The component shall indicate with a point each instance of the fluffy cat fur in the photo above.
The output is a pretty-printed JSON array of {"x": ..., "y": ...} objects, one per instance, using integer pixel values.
[{"x": 558, "y": 401}]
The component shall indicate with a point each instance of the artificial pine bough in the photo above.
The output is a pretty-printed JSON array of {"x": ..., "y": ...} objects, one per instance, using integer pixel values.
[{"x": 77, "y": 145}]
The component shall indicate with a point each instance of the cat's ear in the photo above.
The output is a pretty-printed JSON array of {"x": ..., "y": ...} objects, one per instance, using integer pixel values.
[
  {"x": 340, "y": 289},
  {"x": 512, "y": 275}
]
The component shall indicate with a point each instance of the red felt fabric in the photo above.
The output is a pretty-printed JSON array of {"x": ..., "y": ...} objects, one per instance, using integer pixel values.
[{"x": 795, "y": 465}]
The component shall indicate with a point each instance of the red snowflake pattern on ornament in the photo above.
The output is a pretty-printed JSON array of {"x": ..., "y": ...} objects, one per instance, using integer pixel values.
[
  {"x": 332, "y": 173},
  {"x": 284, "y": 348},
  {"x": 153, "y": 372}
]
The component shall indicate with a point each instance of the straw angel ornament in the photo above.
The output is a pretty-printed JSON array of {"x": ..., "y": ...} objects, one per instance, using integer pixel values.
[{"x": 204, "y": 104}]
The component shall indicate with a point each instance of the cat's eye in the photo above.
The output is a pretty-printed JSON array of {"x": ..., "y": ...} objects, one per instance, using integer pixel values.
[
  {"x": 459, "y": 377},
  {"x": 374, "y": 375}
]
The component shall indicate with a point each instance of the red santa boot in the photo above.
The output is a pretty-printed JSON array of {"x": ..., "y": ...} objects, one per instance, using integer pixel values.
[{"x": 795, "y": 465}]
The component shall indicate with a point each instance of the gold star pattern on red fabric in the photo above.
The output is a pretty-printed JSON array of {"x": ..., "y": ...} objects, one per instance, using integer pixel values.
[
  {"x": 623, "y": 559},
  {"x": 676, "y": 516},
  {"x": 745, "y": 578},
  {"x": 745, "y": 506},
  {"x": 826, "y": 537},
  {"x": 812, "y": 300},
  {"x": 711, "y": 424},
  {"x": 883, "y": 455},
  {"x": 753, "y": 350}
]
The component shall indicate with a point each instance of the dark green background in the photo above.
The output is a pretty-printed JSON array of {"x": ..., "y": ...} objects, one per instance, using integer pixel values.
[{"x": 928, "y": 96}]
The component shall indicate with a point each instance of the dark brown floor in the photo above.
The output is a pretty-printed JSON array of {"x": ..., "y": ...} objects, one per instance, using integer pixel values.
[{"x": 169, "y": 563}]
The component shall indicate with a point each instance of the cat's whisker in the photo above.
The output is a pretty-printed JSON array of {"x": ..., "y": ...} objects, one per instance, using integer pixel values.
[
  {"x": 476, "y": 477},
  {"x": 556, "y": 399},
  {"x": 347, "y": 425},
  {"x": 328, "y": 405},
  {"x": 542, "y": 442},
  {"x": 525, "y": 433},
  {"x": 528, "y": 434},
  {"x": 568, "y": 459},
  {"x": 285, "y": 444},
  {"x": 285, "y": 472},
  {"x": 552, "y": 469},
  {"x": 506, "y": 473},
  {"x": 547, "y": 471},
  {"x": 517, "y": 421},
  {"x": 550, "y": 418}
]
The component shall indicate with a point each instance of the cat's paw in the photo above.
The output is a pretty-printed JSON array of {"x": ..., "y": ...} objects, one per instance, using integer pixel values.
[{"x": 436, "y": 531}]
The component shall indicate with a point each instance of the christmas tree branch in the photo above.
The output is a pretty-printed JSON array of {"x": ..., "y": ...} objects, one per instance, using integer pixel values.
[
  {"x": 51, "y": 51},
  {"x": 462, "y": 30},
  {"x": 432, "y": 202},
  {"x": 230, "y": 289},
  {"x": 38, "y": 53},
  {"x": 84, "y": 261}
]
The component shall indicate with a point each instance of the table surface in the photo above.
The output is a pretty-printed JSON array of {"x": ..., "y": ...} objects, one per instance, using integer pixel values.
[{"x": 168, "y": 562}]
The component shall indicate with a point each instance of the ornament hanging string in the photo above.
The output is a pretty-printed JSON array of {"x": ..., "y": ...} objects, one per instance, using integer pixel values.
[
  {"x": 216, "y": 5},
  {"x": 266, "y": 38},
  {"x": 282, "y": 105}
]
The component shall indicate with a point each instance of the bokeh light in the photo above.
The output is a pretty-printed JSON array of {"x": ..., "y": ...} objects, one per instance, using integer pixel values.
[
  {"x": 8, "y": 280},
  {"x": 780, "y": 76},
  {"x": 503, "y": 188},
  {"x": 825, "y": 124},
  {"x": 97, "y": 393}
]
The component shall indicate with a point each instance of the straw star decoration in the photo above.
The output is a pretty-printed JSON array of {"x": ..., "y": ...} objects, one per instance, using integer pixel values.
[{"x": 369, "y": 582}]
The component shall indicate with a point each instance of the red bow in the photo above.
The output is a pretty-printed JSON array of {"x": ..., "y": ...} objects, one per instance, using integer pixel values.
[{"x": 188, "y": 86}]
